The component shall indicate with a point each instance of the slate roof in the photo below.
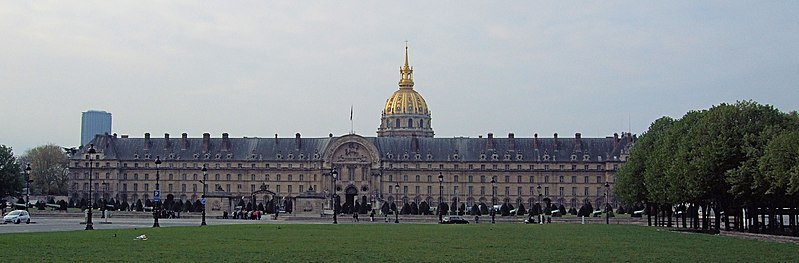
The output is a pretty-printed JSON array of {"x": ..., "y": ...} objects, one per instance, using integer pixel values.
[{"x": 389, "y": 148}]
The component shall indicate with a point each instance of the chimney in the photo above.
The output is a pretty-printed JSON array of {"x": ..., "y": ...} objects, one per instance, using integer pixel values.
[
  {"x": 225, "y": 142},
  {"x": 206, "y": 142},
  {"x": 124, "y": 136},
  {"x": 535, "y": 141},
  {"x": 147, "y": 141},
  {"x": 167, "y": 143},
  {"x": 556, "y": 141},
  {"x": 578, "y": 142},
  {"x": 185, "y": 139},
  {"x": 115, "y": 135},
  {"x": 297, "y": 141},
  {"x": 490, "y": 143},
  {"x": 275, "y": 138},
  {"x": 512, "y": 141}
]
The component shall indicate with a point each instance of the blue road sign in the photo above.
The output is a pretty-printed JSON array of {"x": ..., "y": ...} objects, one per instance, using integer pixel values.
[
  {"x": 157, "y": 195},
  {"x": 202, "y": 201}
]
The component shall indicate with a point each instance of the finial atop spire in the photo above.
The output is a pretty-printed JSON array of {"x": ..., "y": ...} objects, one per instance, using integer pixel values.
[{"x": 406, "y": 72}]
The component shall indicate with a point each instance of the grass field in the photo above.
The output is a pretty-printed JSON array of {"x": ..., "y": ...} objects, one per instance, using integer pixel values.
[{"x": 392, "y": 243}]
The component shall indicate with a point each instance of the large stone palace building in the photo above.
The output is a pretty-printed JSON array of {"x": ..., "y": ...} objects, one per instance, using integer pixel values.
[{"x": 404, "y": 156}]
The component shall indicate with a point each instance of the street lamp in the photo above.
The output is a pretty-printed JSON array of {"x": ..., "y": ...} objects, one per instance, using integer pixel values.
[
  {"x": 27, "y": 185},
  {"x": 157, "y": 193},
  {"x": 540, "y": 209},
  {"x": 396, "y": 208},
  {"x": 334, "y": 175},
  {"x": 607, "y": 205},
  {"x": 89, "y": 225},
  {"x": 440, "y": 196},
  {"x": 205, "y": 184},
  {"x": 493, "y": 197}
]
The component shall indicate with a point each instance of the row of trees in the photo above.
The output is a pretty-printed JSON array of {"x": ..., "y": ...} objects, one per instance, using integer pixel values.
[
  {"x": 726, "y": 159},
  {"x": 49, "y": 173}
]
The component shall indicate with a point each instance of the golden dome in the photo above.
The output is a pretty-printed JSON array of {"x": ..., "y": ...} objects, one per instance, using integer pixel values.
[{"x": 406, "y": 101}]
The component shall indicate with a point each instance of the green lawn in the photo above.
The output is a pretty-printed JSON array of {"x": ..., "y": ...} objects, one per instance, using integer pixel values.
[{"x": 392, "y": 243}]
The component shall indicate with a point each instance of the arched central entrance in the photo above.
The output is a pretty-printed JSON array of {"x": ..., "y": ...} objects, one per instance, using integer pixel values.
[{"x": 351, "y": 193}]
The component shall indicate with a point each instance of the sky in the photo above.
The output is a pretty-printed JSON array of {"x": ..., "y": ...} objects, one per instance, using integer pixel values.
[{"x": 260, "y": 68}]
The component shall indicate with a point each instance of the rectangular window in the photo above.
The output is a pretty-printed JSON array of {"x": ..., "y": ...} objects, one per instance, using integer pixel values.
[
  {"x": 560, "y": 179},
  {"x": 574, "y": 179},
  {"x": 194, "y": 188},
  {"x": 519, "y": 179},
  {"x": 586, "y": 179},
  {"x": 482, "y": 190},
  {"x": 574, "y": 191},
  {"x": 429, "y": 190},
  {"x": 519, "y": 190},
  {"x": 560, "y": 191},
  {"x": 470, "y": 190},
  {"x": 546, "y": 191},
  {"x": 599, "y": 179},
  {"x": 532, "y": 179},
  {"x": 585, "y": 193}
]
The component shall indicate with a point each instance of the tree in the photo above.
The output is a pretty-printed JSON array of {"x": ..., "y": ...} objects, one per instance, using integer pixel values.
[
  {"x": 504, "y": 210},
  {"x": 11, "y": 181},
  {"x": 49, "y": 164},
  {"x": 483, "y": 208},
  {"x": 521, "y": 211},
  {"x": 475, "y": 210},
  {"x": 414, "y": 208},
  {"x": 424, "y": 208},
  {"x": 406, "y": 209}
]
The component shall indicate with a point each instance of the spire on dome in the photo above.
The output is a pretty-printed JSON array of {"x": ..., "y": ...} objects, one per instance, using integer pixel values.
[{"x": 406, "y": 72}]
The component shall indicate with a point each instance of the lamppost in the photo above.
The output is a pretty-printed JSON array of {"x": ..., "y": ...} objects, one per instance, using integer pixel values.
[
  {"x": 440, "y": 196},
  {"x": 396, "y": 208},
  {"x": 27, "y": 185},
  {"x": 334, "y": 175},
  {"x": 205, "y": 186},
  {"x": 540, "y": 209},
  {"x": 89, "y": 225},
  {"x": 493, "y": 197},
  {"x": 607, "y": 205},
  {"x": 157, "y": 193}
]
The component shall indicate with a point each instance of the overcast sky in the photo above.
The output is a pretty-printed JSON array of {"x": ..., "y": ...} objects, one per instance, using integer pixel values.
[{"x": 260, "y": 68}]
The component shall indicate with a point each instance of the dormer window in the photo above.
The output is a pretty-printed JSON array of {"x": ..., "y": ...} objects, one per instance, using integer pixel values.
[
  {"x": 546, "y": 157},
  {"x": 574, "y": 157},
  {"x": 494, "y": 157},
  {"x": 418, "y": 156},
  {"x": 291, "y": 156},
  {"x": 429, "y": 156},
  {"x": 519, "y": 157},
  {"x": 482, "y": 156},
  {"x": 586, "y": 157}
]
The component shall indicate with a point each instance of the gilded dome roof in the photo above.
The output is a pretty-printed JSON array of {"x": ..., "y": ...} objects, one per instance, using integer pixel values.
[{"x": 406, "y": 101}]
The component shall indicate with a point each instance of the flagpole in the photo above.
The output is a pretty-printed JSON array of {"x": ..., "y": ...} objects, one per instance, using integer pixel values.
[{"x": 352, "y": 129}]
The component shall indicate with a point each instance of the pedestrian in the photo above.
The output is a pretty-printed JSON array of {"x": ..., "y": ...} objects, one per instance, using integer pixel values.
[
  {"x": 372, "y": 216},
  {"x": 356, "y": 217}
]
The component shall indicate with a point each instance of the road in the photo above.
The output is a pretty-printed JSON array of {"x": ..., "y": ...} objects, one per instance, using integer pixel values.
[{"x": 51, "y": 224}]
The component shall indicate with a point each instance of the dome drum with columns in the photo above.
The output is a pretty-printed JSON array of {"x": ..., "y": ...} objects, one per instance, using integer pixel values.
[{"x": 406, "y": 113}]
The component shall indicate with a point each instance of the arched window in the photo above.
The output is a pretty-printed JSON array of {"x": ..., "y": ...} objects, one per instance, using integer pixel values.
[
  {"x": 410, "y": 123},
  {"x": 421, "y": 123},
  {"x": 397, "y": 124}
]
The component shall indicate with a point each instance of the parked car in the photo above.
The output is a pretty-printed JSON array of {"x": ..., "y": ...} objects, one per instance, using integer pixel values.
[
  {"x": 17, "y": 216},
  {"x": 454, "y": 220}
]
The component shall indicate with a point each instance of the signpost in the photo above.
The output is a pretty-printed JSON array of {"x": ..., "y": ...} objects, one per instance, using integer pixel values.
[{"x": 157, "y": 196}]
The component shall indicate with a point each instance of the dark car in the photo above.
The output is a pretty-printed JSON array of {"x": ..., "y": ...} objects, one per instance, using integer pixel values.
[{"x": 454, "y": 220}]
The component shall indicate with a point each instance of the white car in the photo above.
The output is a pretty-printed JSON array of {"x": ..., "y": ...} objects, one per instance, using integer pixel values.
[{"x": 17, "y": 216}]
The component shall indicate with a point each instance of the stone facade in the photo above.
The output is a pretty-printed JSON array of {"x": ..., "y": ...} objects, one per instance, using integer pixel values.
[{"x": 568, "y": 171}]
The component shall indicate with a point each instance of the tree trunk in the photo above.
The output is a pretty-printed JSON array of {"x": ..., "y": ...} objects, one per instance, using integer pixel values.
[{"x": 648, "y": 214}]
